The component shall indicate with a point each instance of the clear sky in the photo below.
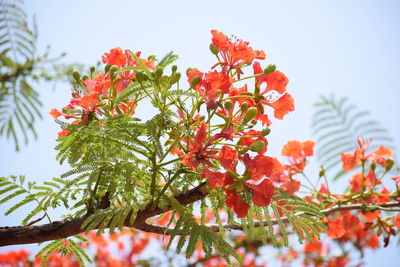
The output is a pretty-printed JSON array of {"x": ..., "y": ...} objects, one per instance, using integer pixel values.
[{"x": 348, "y": 47}]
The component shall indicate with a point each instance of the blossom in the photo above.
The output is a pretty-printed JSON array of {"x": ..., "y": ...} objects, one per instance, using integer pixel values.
[
  {"x": 335, "y": 228},
  {"x": 234, "y": 53},
  {"x": 116, "y": 57},
  {"x": 215, "y": 179},
  {"x": 276, "y": 80},
  {"x": 211, "y": 85},
  {"x": 100, "y": 83},
  {"x": 199, "y": 152},
  {"x": 233, "y": 200},
  {"x": 296, "y": 149},
  {"x": 261, "y": 166},
  {"x": 282, "y": 106},
  {"x": 248, "y": 141},
  {"x": 228, "y": 157},
  {"x": 262, "y": 193}
]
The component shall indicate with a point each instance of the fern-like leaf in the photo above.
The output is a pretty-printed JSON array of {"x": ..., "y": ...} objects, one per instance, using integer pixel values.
[{"x": 336, "y": 124}]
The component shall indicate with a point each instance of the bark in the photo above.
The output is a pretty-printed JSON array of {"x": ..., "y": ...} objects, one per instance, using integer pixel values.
[{"x": 61, "y": 229}]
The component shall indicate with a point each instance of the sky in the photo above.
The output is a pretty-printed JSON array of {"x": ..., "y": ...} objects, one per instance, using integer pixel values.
[{"x": 346, "y": 48}]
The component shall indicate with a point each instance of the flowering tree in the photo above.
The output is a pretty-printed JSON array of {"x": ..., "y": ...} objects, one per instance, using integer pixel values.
[{"x": 193, "y": 171}]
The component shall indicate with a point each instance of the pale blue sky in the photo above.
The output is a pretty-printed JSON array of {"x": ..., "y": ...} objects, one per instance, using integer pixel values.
[{"x": 349, "y": 48}]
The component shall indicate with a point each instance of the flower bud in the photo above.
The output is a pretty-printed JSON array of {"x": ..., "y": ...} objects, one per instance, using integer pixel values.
[
  {"x": 214, "y": 49},
  {"x": 164, "y": 78},
  {"x": 84, "y": 77},
  {"x": 265, "y": 131},
  {"x": 195, "y": 81},
  {"x": 174, "y": 68},
  {"x": 175, "y": 77},
  {"x": 113, "y": 69},
  {"x": 92, "y": 69},
  {"x": 322, "y": 172},
  {"x": 373, "y": 167},
  {"x": 389, "y": 164},
  {"x": 257, "y": 146},
  {"x": 76, "y": 76},
  {"x": 139, "y": 76},
  {"x": 244, "y": 107},
  {"x": 270, "y": 69},
  {"x": 107, "y": 68},
  {"x": 250, "y": 114},
  {"x": 158, "y": 73},
  {"x": 228, "y": 105}
]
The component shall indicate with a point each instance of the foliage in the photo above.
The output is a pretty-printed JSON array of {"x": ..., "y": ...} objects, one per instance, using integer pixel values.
[
  {"x": 336, "y": 125},
  {"x": 141, "y": 143},
  {"x": 20, "y": 68}
]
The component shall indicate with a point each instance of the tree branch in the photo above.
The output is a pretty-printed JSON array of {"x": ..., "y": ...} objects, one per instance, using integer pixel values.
[
  {"x": 61, "y": 229},
  {"x": 162, "y": 230}
]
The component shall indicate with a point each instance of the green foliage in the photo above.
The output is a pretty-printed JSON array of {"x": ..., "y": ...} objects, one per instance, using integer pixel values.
[
  {"x": 64, "y": 247},
  {"x": 20, "y": 69},
  {"x": 190, "y": 233},
  {"x": 336, "y": 124},
  {"x": 121, "y": 165}
]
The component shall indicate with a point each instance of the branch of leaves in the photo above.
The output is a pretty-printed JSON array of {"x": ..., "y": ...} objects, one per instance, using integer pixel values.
[{"x": 64, "y": 247}]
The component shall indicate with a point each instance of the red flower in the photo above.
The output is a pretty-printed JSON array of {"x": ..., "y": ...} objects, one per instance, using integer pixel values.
[
  {"x": 234, "y": 202},
  {"x": 282, "y": 106},
  {"x": 248, "y": 141},
  {"x": 276, "y": 80},
  {"x": 100, "y": 83},
  {"x": 115, "y": 57},
  {"x": 296, "y": 149},
  {"x": 234, "y": 53},
  {"x": 215, "y": 179},
  {"x": 211, "y": 85},
  {"x": 220, "y": 40},
  {"x": 228, "y": 157},
  {"x": 261, "y": 166},
  {"x": 198, "y": 151},
  {"x": 262, "y": 193},
  {"x": 335, "y": 228}
]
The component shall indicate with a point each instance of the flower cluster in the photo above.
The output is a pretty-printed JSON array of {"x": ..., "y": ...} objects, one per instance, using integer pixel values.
[
  {"x": 218, "y": 152},
  {"x": 220, "y": 136},
  {"x": 99, "y": 91}
]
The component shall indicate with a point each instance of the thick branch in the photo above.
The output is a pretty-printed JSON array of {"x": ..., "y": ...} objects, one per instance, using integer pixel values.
[
  {"x": 62, "y": 229},
  {"x": 162, "y": 230}
]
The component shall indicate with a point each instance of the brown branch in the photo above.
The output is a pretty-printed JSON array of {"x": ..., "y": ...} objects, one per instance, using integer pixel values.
[
  {"x": 162, "y": 230},
  {"x": 61, "y": 229}
]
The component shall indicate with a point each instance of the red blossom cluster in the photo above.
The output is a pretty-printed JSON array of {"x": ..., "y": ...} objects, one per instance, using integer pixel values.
[
  {"x": 222, "y": 147},
  {"x": 240, "y": 109},
  {"x": 103, "y": 88}
]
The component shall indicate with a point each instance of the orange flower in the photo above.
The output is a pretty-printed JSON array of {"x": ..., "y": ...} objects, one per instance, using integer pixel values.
[
  {"x": 220, "y": 40},
  {"x": 351, "y": 160},
  {"x": 198, "y": 150},
  {"x": 335, "y": 228},
  {"x": 276, "y": 80},
  {"x": 248, "y": 141},
  {"x": 115, "y": 57},
  {"x": 282, "y": 106},
  {"x": 228, "y": 157},
  {"x": 261, "y": 166},
  {"x": 296, "y": 149},
  {"x": 315, "y": 246},
  {"x": 215, "y": 179},
  {"x": 234, "y": 202},
  {"x": 262, "y": 193}
]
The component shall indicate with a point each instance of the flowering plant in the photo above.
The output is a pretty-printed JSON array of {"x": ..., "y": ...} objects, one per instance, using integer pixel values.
[{"x": 204, "y": 141}]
